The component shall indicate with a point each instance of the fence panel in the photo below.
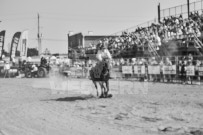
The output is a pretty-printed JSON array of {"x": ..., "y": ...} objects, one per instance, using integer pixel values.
[{"x": 181, "y": 9}]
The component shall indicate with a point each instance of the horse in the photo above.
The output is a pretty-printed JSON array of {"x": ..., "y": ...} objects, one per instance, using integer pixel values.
[{"x": 103, "y": 79}]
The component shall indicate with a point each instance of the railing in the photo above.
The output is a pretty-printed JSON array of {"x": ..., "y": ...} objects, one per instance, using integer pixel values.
[
  {"x": 146, "y": 71},
  {"x": 152, "y": 50},
  {"x": 182, "y": 9},
  {"x": 198, "y": 42}
]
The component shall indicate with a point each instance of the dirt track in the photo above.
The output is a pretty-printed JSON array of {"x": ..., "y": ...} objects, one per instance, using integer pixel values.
[{"x": 29, "y": 107}]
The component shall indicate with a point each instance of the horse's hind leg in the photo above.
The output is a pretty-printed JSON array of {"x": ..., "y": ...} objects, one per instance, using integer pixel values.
[{"x": 107, "y": 88}]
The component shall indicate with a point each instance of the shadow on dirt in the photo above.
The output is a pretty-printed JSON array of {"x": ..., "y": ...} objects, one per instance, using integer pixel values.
[{"x": 72, "y": 98}]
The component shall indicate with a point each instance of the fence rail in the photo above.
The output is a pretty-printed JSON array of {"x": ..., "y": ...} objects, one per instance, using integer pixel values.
[
  {"x": 182, "y": 9},
  {"x": 175, "y": 73}
]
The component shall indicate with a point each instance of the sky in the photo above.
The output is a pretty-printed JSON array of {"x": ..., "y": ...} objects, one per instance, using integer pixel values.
[{"x": 58, "y": 17}]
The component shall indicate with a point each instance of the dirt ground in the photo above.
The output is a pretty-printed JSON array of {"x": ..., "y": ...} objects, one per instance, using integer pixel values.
[{"x": 52, "y": 106}]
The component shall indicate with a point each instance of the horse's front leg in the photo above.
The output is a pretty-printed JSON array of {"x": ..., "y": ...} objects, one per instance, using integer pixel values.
[
  {"x": 95, "y": 84},
  {"x": 102, "y": 89}
]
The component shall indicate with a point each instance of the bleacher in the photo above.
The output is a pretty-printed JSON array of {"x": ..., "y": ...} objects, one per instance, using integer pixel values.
[{"x": 174, "y": 35}]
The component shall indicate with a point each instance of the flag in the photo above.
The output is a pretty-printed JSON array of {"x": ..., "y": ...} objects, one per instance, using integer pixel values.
[
  {"x": 14, "y": 44},
  {"x": 2, "y": 38},
  {"x": 24, "y": 43}
]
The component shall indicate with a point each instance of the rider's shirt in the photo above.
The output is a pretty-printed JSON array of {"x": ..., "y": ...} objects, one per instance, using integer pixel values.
[{"x": 103, "y": 54}]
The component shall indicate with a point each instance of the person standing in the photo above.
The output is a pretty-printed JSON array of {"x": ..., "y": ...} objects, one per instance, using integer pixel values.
[
  {"x": 168, "y": 63},
  {"x": 7, "y": 69}
]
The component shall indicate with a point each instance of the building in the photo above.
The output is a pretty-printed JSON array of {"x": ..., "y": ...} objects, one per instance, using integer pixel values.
[{"x": 80, "y": 40}]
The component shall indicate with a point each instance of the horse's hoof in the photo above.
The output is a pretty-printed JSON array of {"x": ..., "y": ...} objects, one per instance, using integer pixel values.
[
  {"x": 109, "y": 96},
  {"x": 102, "y": 96},
  {"x": 105, "y": 94}
]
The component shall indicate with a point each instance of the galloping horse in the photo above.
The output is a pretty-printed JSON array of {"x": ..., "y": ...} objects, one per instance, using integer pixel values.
[{"x": 100, "y": 74}]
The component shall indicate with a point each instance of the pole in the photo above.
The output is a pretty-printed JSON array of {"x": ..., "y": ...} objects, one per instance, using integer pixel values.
[
  {"x": 68, "y": 44},
  {"x": 159, "y": 16},
  {"x": 188, "y": 7},
  {"x": 39, "y": 36}
]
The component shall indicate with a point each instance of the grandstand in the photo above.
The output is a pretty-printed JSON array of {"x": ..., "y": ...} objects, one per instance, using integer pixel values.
[{"x": 178, "y": 31}]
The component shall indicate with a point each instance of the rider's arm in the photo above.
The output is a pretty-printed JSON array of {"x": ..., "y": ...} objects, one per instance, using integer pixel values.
[{"x": 98, "y": 56}]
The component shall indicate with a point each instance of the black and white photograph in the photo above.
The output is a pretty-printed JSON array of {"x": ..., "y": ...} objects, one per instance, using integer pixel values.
[{"x": 101, "y": 67}]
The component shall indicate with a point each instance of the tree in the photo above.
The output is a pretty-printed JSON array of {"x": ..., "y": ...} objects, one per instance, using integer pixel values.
[
  {"x": 17, "y": 53},
  {"x": 32, "y": 52}
]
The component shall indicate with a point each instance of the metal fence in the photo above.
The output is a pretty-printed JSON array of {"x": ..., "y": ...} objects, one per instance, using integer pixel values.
[
  {"x": 144, "y": 71},
  {"x": 182, "y": 9},
  {"x": 133, "y": 28}
]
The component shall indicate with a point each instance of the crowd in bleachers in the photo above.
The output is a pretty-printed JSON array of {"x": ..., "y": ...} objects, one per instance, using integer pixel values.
[{"x": 173, "y": 27}]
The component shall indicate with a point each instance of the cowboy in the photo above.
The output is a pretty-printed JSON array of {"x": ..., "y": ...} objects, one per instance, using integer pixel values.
[{"x": 103, "y": 54}]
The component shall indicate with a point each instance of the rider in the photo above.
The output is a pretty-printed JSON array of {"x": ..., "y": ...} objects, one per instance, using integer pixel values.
[{"x": 103, "y": 54}]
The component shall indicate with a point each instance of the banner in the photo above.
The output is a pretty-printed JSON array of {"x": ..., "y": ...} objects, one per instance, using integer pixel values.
[
  {"x": 139, "y": 69},
  {"x": 14, "y": 44},
  {"x": 127, "y": 70},
  {"x": 154, "y": 70},
  {"x": 190, "y": 70},
  {"x": 200, "y": 70},
  {"x": 2, "y": 39},
  {"x": 169, "y": 70},
  {"x": 24, "y": 43}
]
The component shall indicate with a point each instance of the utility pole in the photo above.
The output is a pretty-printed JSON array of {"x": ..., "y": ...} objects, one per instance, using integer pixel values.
[
  {"x": 188, "y": 7},
  {"x": 39, "y": 37},
  {"x": 68, "y": 44},
  {"x": 159, "y": 11}
]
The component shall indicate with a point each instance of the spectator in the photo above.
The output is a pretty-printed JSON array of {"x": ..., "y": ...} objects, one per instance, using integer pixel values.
[
  {"x": 183, "y": 71},
  {"x": 168, "y": 63},
  {"x": 153, "y": 62},
  {"x": 189, "y": 78},
  {"x": 34, "y": 70},
  {"x": 190, "y": 57},
  {"x": 198, "y": 64},
  {"x": 134, "y": 62},
  {"x": 161, "y": 63},
  {"x": 7, "y": 69}
]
